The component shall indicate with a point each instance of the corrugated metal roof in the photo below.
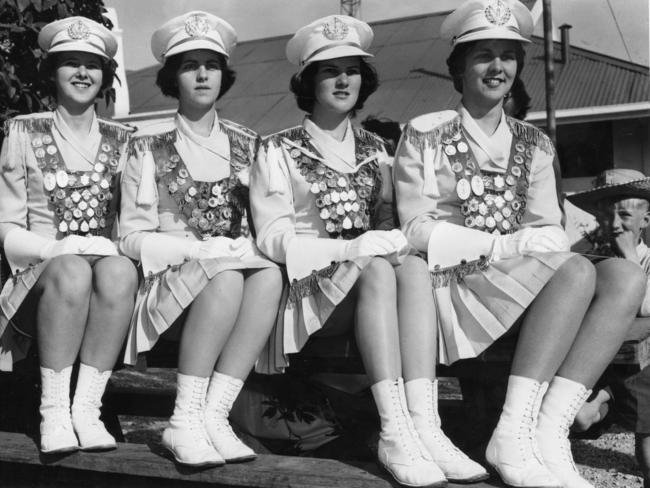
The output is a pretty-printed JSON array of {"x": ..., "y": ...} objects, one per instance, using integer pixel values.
[{"x": 410, "y": 59}]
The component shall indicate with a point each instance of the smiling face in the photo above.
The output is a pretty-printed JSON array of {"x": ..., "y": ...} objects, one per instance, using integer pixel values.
[
  {"x": 490, "y": 70},
  {"x": 78, "y": 78},
  {"x": 336, "y": 84},
  {"x": 624, "y": 215},
  {"x": 199, "y": 79}
]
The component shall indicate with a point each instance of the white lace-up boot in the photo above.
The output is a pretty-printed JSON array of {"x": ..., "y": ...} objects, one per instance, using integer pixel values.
[
  {"x": 513, "y": 450},
  {"x": 222, "y": 392},
  {"x": 400, "y": 450},
  {"x": 186, "y": 436},
  {"x": 57, "y": 435},
  {"x": 86, "y": 405},
  {"x": 559, "y": 407},
  {"x": 422, "y": 401}
]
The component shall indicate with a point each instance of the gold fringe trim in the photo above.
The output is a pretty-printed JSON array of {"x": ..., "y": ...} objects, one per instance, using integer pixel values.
[
  {"x": 28, "y": 124},
  {"x": 152, "y": 277},
  {"x": 293, "y": 133},
  {"x": 250, "y": 133},
  {"x": 433, "y": 137},
  {"x": 440, "y": 279},
  {"x": 367, "y": 137},
  {"x": 241, "y": 135},
  {"x": 119, "y": 132},
  {"x": 153, "y": 142},
  {"x": 308, "y": 286},
  {"x": 531, "y": 135}
]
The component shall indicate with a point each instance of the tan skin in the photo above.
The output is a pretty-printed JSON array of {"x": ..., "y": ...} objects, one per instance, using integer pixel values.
[
  {"x": 571, "y": 318},
  {"x": 388, "y": 302},
  {"x": 79, "y": 310},
  {"x": 229, "y": 322}
]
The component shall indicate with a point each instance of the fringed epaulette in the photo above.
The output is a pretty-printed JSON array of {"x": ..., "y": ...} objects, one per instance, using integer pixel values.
[
  {"x": 434, "y": 136},
  {"x": 308, "y": 286},
  {"x": 440, "y": 279},
  {"x": 531, "y": 135},
  {"x": 234, "y": 126},
  {"x": 116, "y": 130},
  {"x": 238, "y": 134},
  {"x": 292, "y": 133},
  {"x": 370, "y": 138},
  {"x": 152, "y": 142},
  {"x": 38, "y": 122}
]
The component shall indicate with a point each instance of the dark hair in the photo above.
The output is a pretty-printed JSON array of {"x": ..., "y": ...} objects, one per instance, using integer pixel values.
[
  {"x": 385, "y": 128},
  {"x": 302, "y": 86},
  {"x": 50, "y": 64},
  {"x": 517, "y": 102},
  {"x": 456, "y": 61},
  {"x": 168, "y": 84}
]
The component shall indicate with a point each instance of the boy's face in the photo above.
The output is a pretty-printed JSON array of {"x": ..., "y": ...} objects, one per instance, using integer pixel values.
[{"x": 625, "y": 215}]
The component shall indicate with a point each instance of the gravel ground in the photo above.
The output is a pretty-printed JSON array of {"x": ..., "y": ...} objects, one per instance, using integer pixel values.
[{"x": 608, "y": 462}]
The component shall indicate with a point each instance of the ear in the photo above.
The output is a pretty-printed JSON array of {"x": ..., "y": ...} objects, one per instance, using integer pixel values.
[{"x": 645, "y": 221}]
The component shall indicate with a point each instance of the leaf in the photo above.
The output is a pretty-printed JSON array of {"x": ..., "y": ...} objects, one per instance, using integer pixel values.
[
  {"x": 38, "y": 5},
  {"x": 23, "y": 4}
]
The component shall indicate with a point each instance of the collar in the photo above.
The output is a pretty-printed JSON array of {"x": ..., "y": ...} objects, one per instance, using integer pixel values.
[
  {"x": 339, "y": 155},
  {"x": 216, "y": 142},
  {"x": 85, "y": 146},
  {"x": 496, "y": 146}
]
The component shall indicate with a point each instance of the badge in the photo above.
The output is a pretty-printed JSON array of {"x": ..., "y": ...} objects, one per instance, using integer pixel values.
[
  {"x": 183, "y": 173},
  {"x": 339, "y": 209},
  {"x": 77, "y": 213},
  {"x": 99, "y": 167},
  {"x": 63, "y": 227},
  {"x": 104, "y": 183},
  {"x": 499, "y": 202},
  {"x": 344, "y": 196},
  {"x": 49, "y": 181},
  {"x": 358, "y": 222},
  {"x": 37, "y": 143},
  {"x": 335, "y": 197},
  {"x": 60, "y": 194},
  {"x": 67, "y": 215},
  {"x": 450, "y": 150},
  {"x": 92, "y": 223},
  {"x": 463, "y": 189},
  {"x": 84, "y": 227},
  {"x": 516, "y": 170},
  {"x": 511, "y": 180},
  {"x": 506, "y": 212},
  {"x": 497, "y": 216},
  {"x": 40, "y": 153},
  {"x": 457, "y": 167},
  {"x": 479, "y": 221},
  {"x": 355, "y": 207},
  {"x": 464, "y": 208},
  {"x": 327, "y": 199},
  {"x": 113, "y": 162},
  {"x": 469, "y": 221},
  {"x": 322, "y": 186},
  {"x": 95, "y": 177},
  {"x": 330, "y": 227},
  {"x": 499, "y": 182},
  {"x": 325, "y": 214},
  {"x": 477, "y": 185},
  {"x": 191, "y": 191},
  {"x": 508, "y": 196},
  {"x": 61, "y": 179},
  {"x": 106, "y": 147},
  {"x": 336, "y": 30},
  {"x": 294, "y": 153},
  {"x": 518, "y": 158},
  {"x": 347, "y": 206},
  {"x": 456, "y": 137},
  {"x": 68, "y": 202},
  {"x": 347, "y": 223},
  {"x": 352, "y": 195},
  {"x": 102, "y": 158},
  {"x": 462, "y": 147},
  {"x": 519, "y": 147},
  {"x": 490, "y": 222},
  {"x": 342, "y": 182},
  {"x": 84, "y": 179},
  {"x": 83, "y": 205},
  {"x": 314, "y": 188},
  {"x": 94, "y": 189},
  {"x": 482, "y": 208},
  {"x": 51, "y": 150},
  {"x": 93, "y": 203},
  {"x": 90, "y": 212},
  {"x": 515, "y": 205},
  {"x": 506, "y": 225}
]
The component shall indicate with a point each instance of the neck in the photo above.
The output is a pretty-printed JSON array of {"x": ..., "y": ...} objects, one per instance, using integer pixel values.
[
  {"x": 487, "y": 117},
  {"x": 333, "y": 123},
  {"x": 78, "y": 119},
  {"x": 201, "y": 122}
]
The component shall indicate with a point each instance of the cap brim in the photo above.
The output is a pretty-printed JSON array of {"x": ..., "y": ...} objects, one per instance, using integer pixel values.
[
  {"x": 588, "y": 200},
  {"x": 194, "y": 45},
  {"x": 337, "y": 52},
  {"x": 491, "y": 34},
  {"x": 80, "y": 46}
]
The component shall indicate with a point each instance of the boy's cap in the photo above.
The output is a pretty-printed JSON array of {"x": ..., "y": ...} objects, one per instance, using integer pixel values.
[
  {"x": 193, "y": 30},
  {"x": 618, "y": 182},
  {"x": 334, "y": 36},
  {"x": 488, "y": 19},
  {"x": 77, "y": 34}
]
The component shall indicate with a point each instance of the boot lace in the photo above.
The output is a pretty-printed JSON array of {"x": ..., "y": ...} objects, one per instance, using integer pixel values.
[
  {"x": 409, "y": 438},
  {"x": 563, "y": 430},
  {"x": 435, "y": 428},
  {"x": 527, "y": 434}
]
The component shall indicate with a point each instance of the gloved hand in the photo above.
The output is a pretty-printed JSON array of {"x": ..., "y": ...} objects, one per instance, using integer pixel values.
[
  {"x": 376, "y": 243},
  {"x": 243, "y": 247},
  {"x": 101, "y": 246},
  {"x": 213, "y": 247},
  {"x": 72, "y": 244},
  {"x": 528, "y": 240}
]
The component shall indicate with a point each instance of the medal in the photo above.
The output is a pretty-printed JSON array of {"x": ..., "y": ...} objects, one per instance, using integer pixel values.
[
  {"x": 479, "y": 221},
  {"x": 490, "y": 222},
  {"x": 499, "y": 182},
  {"x": 100, "y": 168},
  {"x": 462, "y": 147},
  {"x": 506, "y": 225},
  {"x": 325, "y": 214},
  {"x": 477, "y": 185},
  {"x": 482, "y": 208},
  {"x": 352, "y": 195},
  {"x": 463, "y": 189},
  {"x": 497, "y": 216},
  {"x": 336, "y": 198},
  {"x": 102, "y": 158},
  {"x": 314, "y": 188},
  {"x": 519, "y": 147},
  {"x": 84, "y": 227},
  {"x": 84, "y": 179},
  {"x": 469, "y": 221},
  {"x": 61, "y": 179},
  {"x": 63, "y": 227},
  {"x": 499, "y": 201},
  {"x": 51, "y": 150},
  {"x": 516, "y": 170},
  {"x": 106, "y": 147},
  {"x": 49, "y": 181},
  {"x": 92, "y": 223},
  {"x": 347, "y": 223},
  {"x": 508, "y": 196},
  {"x": 510, "y": 180},
  {"x": 294, "y": 153},
  {"x": 457, "y": 167},
  {"x": 518, "y": 158},
  {"x": 450, "y": 150},
  {"x": 95, "y": 177},
  {"x": 74, "y": 226},
  {"x": 344, "y": 196}
]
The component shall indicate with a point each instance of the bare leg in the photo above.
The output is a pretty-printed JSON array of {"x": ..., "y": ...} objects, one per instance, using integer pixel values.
[
  {"x": 209, "y": 322},
  {"x": 114, "y": 286},
  {"x": 620, "y": 286},
  {"x": 417, "y": 319},
  {"x": 553, "y": 319},
  {"x": 642, "y": 451},
  {"x": 62, "y": 311},
  {"x": 257, "y": 315},
  {"x": 376, "y": 321}
]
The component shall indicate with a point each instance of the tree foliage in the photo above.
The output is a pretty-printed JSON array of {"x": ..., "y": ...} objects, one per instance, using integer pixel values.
[{"x": 21, "y": 89}]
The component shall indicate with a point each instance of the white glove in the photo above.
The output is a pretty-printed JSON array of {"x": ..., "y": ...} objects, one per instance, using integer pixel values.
[
  {"x": 528, "y": 240},
  {"x": 220, "y": 247},
  {"x": 244, "y": 248},
  {"x": 376, "y": 243},
  {"x": 100, "y": 246},
  {"x": 71, "y": 244}
]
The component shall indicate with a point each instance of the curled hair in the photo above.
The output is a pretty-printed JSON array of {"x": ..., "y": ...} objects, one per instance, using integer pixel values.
[
  {"x": 457, "y": 58},
  {"x": 167, "y": 81},
  {"x": 50, "y": 64},
  {"x": 303, "y": 86}
]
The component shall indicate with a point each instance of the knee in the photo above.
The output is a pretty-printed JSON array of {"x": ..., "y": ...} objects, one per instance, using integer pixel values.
[
  {"x": 580, "y": 273},
  {"x": 378, "y": 277},
  {"x": 413, "y": 270},
  {"x": 622, "y": 279},
  {"x": 115, "y": 278},
  {"x": 70, "y": 277}
]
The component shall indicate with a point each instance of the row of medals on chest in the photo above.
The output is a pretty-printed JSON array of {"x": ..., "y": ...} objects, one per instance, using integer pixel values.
[
  {"x": 338, "y": 201},
  {"x": 202, "y": 201},
  {"x": 496, "y": 206},
  {"x": 78, "y": 198}
]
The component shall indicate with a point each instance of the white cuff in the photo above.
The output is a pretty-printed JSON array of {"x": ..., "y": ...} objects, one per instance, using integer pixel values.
[
  {"x": 449, "y": 244},
  {"x": 23, "y": 248},
  {"x": 159, "y": 251},
  {"x": 305, "y": 254}
]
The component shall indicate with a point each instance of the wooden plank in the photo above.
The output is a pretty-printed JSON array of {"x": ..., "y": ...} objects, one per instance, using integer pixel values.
[{"x": 139, "y": 461}]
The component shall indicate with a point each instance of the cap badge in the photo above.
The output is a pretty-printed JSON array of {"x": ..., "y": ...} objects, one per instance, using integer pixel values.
[
  {"x": 196, "y": 26},
  {"x": 78, "y": 30},
  {"x": 497, "y": 12},
  {"x": 336, "y": 30}
]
